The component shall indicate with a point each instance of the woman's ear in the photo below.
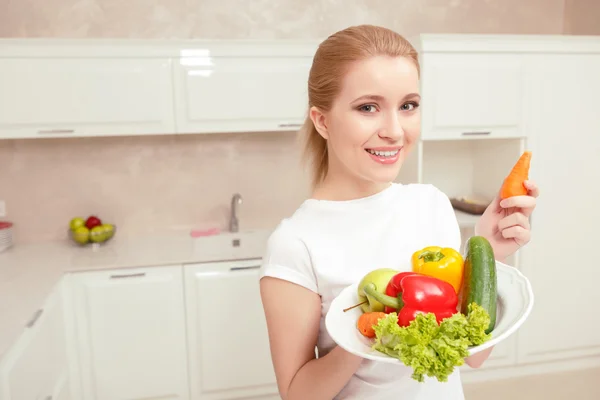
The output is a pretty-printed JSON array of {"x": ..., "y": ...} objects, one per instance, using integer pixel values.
[{"x": 318, "y": 119}]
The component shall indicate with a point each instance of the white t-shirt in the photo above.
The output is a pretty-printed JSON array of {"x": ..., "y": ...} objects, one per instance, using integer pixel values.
[{"x": 327, "y": 245}]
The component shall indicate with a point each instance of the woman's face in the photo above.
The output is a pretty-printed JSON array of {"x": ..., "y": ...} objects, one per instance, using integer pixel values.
[{"x": 375, "y": 121}]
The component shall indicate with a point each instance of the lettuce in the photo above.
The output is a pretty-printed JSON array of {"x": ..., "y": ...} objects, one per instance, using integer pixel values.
[{"x": 431, "y": 349}]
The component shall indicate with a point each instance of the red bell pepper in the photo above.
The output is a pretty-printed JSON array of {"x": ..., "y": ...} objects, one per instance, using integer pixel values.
[
  {"x": 394, "y": 288},
  {"x": 411, "y": 293}
]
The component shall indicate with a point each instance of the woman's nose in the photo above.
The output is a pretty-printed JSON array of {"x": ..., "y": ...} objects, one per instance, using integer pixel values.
[{"x": 391, "y": 128}]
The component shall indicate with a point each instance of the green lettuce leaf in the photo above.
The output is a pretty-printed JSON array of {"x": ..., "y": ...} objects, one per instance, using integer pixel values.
[{"x": 428, "y": 348}]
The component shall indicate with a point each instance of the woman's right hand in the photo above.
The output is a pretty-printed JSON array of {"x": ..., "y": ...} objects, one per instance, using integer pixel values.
[{"x": 293, "y": 315}]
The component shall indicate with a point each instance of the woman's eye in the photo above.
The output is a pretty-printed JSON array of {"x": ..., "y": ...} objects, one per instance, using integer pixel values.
[
  {"x": 409, "y": 106},
  {"x": 368, "y": 108}
]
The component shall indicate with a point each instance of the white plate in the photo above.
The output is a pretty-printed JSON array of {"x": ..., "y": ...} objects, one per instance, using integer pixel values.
[{"x": 515, "y": 301}]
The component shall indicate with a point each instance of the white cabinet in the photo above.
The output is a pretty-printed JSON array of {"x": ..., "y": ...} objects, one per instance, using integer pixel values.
[
  {"x": 36, "y": 366},
  {"x": 240, "y": 94},
  {"x": 564, "y": 120},
  {"x": 467, "y": 96},
  {"x": 131, "y": 333},
  {"x": 97, "y": 88},
  {"x": 85, "y": 96},
  {"x": 227, "y": 332}
]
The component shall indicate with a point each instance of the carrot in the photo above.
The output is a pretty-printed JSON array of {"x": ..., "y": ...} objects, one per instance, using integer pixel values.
[
  {"x": 366, "y": 322},
  {"x": 513, "y": 183}
]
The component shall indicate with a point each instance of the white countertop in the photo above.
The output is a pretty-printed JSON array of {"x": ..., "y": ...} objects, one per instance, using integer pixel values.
[{"x": 29, "y": 272}]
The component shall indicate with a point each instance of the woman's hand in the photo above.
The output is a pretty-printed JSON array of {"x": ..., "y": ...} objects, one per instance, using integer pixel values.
[{"x": 505, "y": 223}]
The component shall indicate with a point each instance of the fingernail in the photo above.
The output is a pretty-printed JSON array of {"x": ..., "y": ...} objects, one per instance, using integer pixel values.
[{"x": 503, "y": 203}]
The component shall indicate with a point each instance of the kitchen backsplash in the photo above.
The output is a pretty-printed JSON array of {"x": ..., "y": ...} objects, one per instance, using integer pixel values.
[{"x": 148, "y": 184}]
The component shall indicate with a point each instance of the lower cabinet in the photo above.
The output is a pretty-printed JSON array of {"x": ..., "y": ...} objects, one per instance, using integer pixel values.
[
  {"x": 174, "y": 332},
  {"x": 228, "y": 343},
  {"x": 36, "y": 367},
  {"x": 130, "y": 334}
]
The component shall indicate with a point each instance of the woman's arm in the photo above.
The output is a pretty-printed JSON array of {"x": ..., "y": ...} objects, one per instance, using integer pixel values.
[{"x": 293, "y": 314}]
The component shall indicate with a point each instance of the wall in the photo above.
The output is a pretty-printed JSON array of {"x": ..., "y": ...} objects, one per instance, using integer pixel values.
[
  {"x": 582, "y": 17},
  {"x": 157, "y": 183}
]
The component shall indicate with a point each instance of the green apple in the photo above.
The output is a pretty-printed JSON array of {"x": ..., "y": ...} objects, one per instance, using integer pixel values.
[
  {"x": 376, "y": 281},
  {"x": 76, "y": 223},
  {"x": 97, "y": 234},
  {"x": 81, "y": 235},
  {"x": 109, "y": 229}
]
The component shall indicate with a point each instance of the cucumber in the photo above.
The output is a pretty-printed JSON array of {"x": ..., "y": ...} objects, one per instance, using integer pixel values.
[{"x": 480, "y": 283}]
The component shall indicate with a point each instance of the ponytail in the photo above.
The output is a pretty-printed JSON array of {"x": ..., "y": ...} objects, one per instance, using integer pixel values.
[{"x": 315, "y": 151}]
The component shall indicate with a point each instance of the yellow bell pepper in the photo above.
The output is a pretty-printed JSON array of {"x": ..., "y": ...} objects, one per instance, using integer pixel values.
[{"x": 443, "y": 263}]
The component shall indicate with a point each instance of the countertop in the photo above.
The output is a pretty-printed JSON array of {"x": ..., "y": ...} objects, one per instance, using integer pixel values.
[{"x": 29, "y": 272}]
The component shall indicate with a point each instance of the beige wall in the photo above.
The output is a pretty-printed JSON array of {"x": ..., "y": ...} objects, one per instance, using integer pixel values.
[
  {"x": 582, "y": 17},
  {"x": 145, "y": 184}
]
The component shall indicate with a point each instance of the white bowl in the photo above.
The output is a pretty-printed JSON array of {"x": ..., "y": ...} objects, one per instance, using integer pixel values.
[{"x": 515, "y": 301}]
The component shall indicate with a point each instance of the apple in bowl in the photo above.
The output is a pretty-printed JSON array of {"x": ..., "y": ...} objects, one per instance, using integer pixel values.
[{"x": 90, "y": 230}]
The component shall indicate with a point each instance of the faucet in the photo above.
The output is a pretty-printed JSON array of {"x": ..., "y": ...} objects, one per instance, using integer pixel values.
[{"x": 233, "y": 220}]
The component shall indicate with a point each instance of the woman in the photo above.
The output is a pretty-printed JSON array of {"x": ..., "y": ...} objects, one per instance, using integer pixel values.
[{"x": 363, "y": 121}]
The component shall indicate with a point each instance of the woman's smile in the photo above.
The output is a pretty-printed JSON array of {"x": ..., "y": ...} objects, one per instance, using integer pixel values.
[{"x": 384, "y": 155}]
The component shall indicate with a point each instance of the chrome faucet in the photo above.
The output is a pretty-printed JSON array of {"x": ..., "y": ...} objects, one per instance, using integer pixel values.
[{"x": 233, "y": 220}]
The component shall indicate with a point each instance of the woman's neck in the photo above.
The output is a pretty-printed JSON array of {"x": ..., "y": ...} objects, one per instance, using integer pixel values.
[{"x": 338, "y": 188}]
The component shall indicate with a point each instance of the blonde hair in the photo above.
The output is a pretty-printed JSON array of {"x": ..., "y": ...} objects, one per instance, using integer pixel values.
[{"x": 330, "y": 63}]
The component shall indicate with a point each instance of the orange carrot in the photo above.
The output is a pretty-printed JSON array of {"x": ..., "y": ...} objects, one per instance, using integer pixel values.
[
  {"x": 513, "y": 183},
  {"x": 366, "y": 322}
]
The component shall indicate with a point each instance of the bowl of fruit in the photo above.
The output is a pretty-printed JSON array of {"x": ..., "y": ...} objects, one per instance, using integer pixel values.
[{"x": 91, "y": 230}]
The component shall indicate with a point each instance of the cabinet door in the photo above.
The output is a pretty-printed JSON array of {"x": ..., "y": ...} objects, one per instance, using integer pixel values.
[
  {"x": 563, "y": 117},
  {"x": 38, "y": 361},
  {"x": 131, "y": 333},
  {"x": 240, "y": 94},
  {"x": 58, "y": 97},
  {"x": 227, "y": 332},
  {"x": 468, "y": 96}
]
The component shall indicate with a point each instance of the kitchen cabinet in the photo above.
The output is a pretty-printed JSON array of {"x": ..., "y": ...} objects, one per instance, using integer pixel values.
[
  {"x": 563, "y": 116},
  {"x": 47, "y": 96},
  {"x": 471, "y": 95},
  {"x": 36, "y": 366},
  {"x": 227, "y": 333},
  {"x": 130, "y": 333},
  {"x": 80, "y": 88},
  {"x": 240, "y": 94}
]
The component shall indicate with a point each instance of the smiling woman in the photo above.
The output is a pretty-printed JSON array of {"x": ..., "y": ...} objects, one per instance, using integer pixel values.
[{"x": 363, "y": 120}]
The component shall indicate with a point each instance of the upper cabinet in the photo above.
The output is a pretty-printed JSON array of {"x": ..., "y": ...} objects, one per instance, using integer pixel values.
[
  {"x": 73, "y": 88},
  {"x": 84, "y": 95},
  {"x": 469, "y": 96},
  {"x": 472, "y": 86},
  {"x": 238, "y": 92}
]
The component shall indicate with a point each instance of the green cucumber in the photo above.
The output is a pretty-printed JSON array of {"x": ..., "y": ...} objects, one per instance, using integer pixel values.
[{"x": 480, "y": 283}]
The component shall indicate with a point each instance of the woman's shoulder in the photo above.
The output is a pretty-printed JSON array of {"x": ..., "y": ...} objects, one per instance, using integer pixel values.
[{"x": 287, "y": 257}]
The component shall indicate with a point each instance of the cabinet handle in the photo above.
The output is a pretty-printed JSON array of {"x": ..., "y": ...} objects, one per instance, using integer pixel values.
[
  {"x": 244, "y": 268},
  {"x": 476, "y": 133},
  {"x": 136, "y": 275},
  {"x": 55, "y": 131},
  {"x": 35, "y": 317},
  {"x": 290, "y": 125}
]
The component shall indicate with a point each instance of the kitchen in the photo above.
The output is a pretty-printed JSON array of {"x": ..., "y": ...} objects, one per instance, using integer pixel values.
[{"x": 155, "y": 155}]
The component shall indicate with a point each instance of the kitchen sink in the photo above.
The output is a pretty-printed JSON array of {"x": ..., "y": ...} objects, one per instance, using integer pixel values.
[{"x": 234, "y": 245}]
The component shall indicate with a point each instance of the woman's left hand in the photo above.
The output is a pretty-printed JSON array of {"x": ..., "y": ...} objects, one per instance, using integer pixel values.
[{"x": 505, "y": 223}]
